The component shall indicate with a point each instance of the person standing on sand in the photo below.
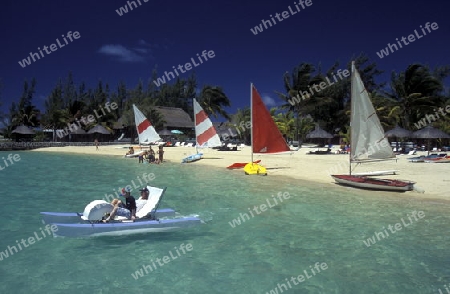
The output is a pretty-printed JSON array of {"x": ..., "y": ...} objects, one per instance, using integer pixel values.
[
  {"x": 96, "y": 144},
  {"x": 161, "y": 153}
]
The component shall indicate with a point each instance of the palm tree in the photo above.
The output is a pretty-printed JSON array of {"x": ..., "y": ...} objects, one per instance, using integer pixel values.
[
  {"x": 241, "y": 122},
  {"x": 295, "y": 83},
  {"x": 28, "y": 116},
  {"x": 417, "y": 92},
  {"x": 55, "y": 116},
  {"x": 305, "y": 125},
  {"x": 25, "y": 113},
  {"x": 213, "y": 100},
  {"x": 285, "y": 122}
]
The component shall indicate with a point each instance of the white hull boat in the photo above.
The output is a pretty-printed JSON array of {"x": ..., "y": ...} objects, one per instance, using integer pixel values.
[
  {"x": 374, "y": 184},
  {"x": 368, "y": 143}
]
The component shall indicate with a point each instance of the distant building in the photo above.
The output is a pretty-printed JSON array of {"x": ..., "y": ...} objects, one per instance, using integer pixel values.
[{"x": 175, "y": 118}]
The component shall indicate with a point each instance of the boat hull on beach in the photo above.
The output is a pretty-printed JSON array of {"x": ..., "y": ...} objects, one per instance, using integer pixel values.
[
  {"x": 134, "y": 155},
  {"x": 365, "y": 182},
  {"x": 192, "y": 158},
  {"x": 368, "y": 143}
]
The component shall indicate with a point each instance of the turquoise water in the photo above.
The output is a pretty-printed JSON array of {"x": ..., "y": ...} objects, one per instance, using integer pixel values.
[{"x": 318, "y": 223}]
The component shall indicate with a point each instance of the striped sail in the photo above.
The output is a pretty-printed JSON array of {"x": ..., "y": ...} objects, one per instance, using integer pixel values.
[
  {"x": 146, "y": 132},
  {"x": 204, "y": 130}
]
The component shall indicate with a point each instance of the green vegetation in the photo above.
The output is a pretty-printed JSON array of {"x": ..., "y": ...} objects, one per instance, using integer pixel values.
[{"x": 405, "y": 99}]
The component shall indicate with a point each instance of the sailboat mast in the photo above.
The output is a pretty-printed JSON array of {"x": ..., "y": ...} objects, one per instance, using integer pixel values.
[
  {"x": 351, "y": 116},
  {"x": 195, "y": 126},
  {"x": 251, "y": 119}
]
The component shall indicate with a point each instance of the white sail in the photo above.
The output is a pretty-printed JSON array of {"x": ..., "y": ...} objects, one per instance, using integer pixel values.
[
  {"x": 146, "y": 132},
  {"x": 205, "y": 132},
  {"x": 367, "y": 135}
]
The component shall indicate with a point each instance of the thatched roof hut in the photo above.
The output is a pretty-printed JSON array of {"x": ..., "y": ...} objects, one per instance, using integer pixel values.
[
  {"x": 23, "y": 130},
  {"x": 175, "y": 117}
]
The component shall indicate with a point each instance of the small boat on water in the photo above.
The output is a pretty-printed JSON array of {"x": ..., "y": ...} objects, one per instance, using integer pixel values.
[
  {"x": 205, "y": 133},
  {"x": 89, "y": 223},
  {"x": 368, "y": 142}
]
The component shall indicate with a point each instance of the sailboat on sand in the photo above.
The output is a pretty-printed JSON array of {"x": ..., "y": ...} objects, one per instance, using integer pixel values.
[
  {"x": 146, "y": 132},
  {"x": 266, "y": 138},
  {"x": 205, "y": 133},
  {"x": 368, "y": 143}
]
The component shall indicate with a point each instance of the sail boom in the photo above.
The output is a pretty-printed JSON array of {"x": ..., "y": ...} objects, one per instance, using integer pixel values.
[
  {"x": 277, "y": 153},
  {"x": 372, "y": 160}
]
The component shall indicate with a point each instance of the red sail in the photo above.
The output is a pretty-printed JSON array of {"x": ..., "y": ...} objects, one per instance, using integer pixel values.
[{"x": 266, "y": 135}]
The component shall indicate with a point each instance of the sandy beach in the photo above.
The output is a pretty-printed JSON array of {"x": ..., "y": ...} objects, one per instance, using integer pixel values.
[{"x": 431, "y": 177}]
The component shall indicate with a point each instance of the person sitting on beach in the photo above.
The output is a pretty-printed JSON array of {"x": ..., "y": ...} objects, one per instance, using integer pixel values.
[
  {"x": 129, "y": 211},
  {"x": 131, "y": 151}
]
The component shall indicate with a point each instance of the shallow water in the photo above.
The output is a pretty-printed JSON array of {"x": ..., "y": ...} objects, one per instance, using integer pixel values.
[{"x": 317, "y": 223}]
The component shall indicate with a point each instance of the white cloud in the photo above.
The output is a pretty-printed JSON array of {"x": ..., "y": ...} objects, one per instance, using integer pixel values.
[
  {"x": 268, "y": 101},
  {"x": 121, "y": 52}
]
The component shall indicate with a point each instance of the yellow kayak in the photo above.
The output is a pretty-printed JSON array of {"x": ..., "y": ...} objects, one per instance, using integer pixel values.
[{"x": 255, "y": 169}]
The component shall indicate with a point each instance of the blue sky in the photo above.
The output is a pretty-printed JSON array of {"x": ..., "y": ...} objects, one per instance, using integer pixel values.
[{"x": 168, "y": 33}]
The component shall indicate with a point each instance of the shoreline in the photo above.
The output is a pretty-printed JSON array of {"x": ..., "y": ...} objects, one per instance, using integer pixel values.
[{"x": 315, "y": 169}]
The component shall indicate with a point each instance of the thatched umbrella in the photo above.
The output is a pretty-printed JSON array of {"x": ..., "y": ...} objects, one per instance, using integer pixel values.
[
  {"x": 398, "y": 132},
  {"x": 318, "y": 133},
  {"x": 428, "y": 133}
]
